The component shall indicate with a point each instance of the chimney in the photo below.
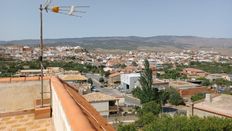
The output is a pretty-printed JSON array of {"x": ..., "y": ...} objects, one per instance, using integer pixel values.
[{"x": 208, "y": 98}]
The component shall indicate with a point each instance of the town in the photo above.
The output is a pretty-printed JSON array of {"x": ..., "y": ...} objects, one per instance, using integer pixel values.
[
  {"x": 88, "y": 65},
  {"x": 192, "y": 82}
]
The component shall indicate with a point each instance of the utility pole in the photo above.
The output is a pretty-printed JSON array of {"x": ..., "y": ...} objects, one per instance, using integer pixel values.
[{"x": 41, "y": 52}]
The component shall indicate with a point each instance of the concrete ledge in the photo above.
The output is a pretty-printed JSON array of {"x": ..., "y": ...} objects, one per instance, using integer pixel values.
[
  {"x": 42, "y": 112},
  {"x": 18, "y": 79},
  {"x": 22, "y": 112}
]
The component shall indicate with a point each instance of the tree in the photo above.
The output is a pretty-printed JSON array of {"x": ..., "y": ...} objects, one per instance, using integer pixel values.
[
  {"x": 173, "y": 74},
  {"x": 184, "y": 123},
  {"x": 163, "y": 96},
  {"x": 222, "y": 82},
  {"x": 174, "y": 97},
  {"x": 145, "y": 119},
  {"x": 198, "y": 96},
  {"x": 146, "y": 92},
  {"x": 152, "y": 107},
  {"x": 101, "y": 79},
  {"x": 134, "y": 63},
  {"x": 204, "y": 81},
  {"x": 122, "y": 66},
  {"x": 90, "y": 81},
  {"x": 212, "y": 67},
  {"x": 101, "y": 71},
  {"x": 130, "y": 127},
  {"x": 107, "y": 73},
  {"x": 180, "y": 123}
]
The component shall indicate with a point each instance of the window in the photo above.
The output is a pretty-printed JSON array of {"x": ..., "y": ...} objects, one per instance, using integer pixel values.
[{"x": 127, "y": 86}]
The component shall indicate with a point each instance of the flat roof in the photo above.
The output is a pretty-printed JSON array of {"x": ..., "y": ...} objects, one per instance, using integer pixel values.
[
  {"x": 194, "y": 69},
  {"x": 182, "y": 84},
  {"x": 133, "y": 74},
  {"x": 32, "y": 71},
  {"x": 114, "y": 74},
  {"x": 221, "y": 104}
]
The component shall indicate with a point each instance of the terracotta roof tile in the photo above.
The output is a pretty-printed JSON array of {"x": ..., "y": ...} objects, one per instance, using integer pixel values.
[
  {"x": 73, "y": 77},
  {"x": 97, "y": 96}
]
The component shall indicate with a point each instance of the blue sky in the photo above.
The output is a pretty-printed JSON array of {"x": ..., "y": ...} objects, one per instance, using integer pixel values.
[{"x": 19, "y": 19}]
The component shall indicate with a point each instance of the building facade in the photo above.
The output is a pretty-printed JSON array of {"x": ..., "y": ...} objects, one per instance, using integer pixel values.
[{"x": 129, "y": 81}]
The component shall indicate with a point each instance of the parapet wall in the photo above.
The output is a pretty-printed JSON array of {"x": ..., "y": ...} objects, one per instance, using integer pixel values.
[
  {"x": 70, "y": 111},
  {"x": 66, "y": 114},
  {"x": 20, "y": 79},
  {"x": 193, "y": 91}
]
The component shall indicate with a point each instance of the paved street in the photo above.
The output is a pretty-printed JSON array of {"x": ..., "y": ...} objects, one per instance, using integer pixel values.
[{"x": 130, "y": 100}]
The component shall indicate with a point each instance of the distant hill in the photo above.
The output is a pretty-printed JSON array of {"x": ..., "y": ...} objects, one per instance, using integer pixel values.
[{"x": 132, "y": 42}]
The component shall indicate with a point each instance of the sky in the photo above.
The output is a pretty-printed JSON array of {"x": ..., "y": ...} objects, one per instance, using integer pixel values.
[{"x": 19, "y": 19}]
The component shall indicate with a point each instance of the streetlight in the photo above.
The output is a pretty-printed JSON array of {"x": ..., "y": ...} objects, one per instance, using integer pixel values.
[{"x": 66, "y": 10}]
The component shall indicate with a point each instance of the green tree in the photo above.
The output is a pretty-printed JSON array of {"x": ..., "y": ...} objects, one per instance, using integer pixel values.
[
  {"x": 212, "y": 67},
  {"x": 130, "y": 127},
  {"x": 146, "y": 92},
  {"x": 90, "y": 81},
  {"x": 101, "y": 79},
  {"x": 101, "y": 71},
  {"x": 198, "y": 96},
  {"x": 174, "y": 97},
  {"x": 107, "y": 73},
  {"x": 123, "y": 66},
  {"x": 222, "y": 82},
  {"x": 204, "y": 81},
  {"x": 184, "y": 123},
  {"x": 163, "y": 96},
  {"x": 180, "y": 123},
  {"x": 152, "y": 107},
  {"x": 134, "y": 63},
  {"x": 173, "y": 74},
  {"x": 145, "y": 119}
]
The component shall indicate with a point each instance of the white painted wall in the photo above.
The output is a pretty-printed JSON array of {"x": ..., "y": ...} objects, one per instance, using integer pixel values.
[
  {"x": 101, "y": 107},
  {"x": 59, "y": 118},
  {"x": 121, "y": 101},
  {"x": 129, "y": 79}
]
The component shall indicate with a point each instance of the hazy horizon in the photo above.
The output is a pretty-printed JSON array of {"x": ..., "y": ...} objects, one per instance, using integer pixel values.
[{"x": 119, "y": 36}]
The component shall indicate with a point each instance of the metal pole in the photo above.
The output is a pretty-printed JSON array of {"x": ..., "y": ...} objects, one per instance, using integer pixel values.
[
  {"x": 192, "y": 108},
  {"x": 41, "y": 52}
]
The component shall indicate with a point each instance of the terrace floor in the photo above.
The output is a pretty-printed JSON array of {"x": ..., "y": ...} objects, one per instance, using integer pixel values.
[{"x": 25, "y": 123}]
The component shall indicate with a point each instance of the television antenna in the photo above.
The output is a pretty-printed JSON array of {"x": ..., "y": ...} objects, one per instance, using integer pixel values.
[{"x": 71, "y": 10}]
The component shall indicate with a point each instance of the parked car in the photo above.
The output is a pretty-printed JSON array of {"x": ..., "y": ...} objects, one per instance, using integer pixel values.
[{"x": 93, "y": 88}]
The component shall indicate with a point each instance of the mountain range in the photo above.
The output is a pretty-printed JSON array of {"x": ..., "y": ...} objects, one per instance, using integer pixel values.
[{"x": 133, "y": 42}]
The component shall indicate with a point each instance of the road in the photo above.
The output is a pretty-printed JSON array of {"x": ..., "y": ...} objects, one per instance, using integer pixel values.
[
  {"x": 129, "y": 99},
  {"x": 95, "y": 78}
]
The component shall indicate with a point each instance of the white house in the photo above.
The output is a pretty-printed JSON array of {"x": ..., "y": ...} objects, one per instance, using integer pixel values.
[
  {"x": 129, "y": 81},
  {"x": 104, "y": 104}
]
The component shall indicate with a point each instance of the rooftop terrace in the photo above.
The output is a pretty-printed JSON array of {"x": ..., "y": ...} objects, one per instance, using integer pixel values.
[
  {"x": 70, "y": 111},
  {"x": 25, "y": 122}
]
